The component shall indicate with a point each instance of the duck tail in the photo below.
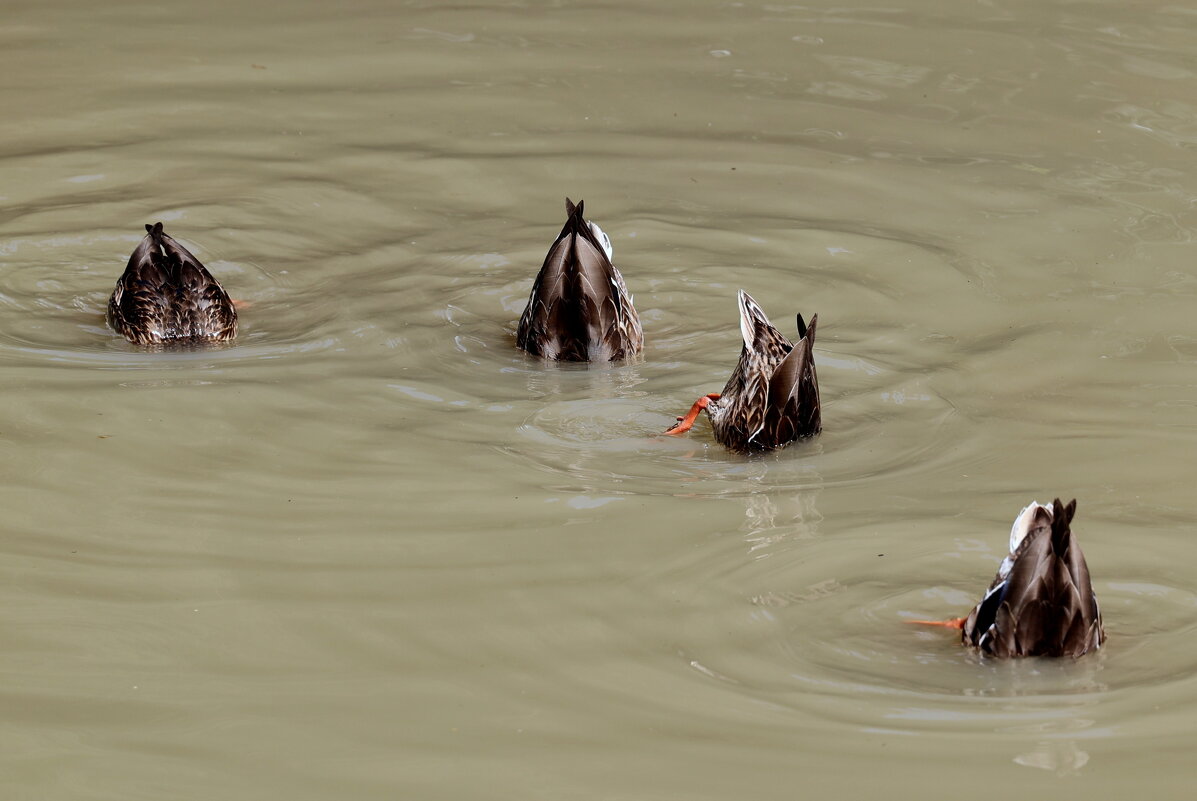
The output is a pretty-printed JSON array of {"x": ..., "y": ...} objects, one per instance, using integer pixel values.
[
  {"x": 563, "y": 319},
  {"x": 575, "y": 222},
  {"x": 1061, "y": 530}
]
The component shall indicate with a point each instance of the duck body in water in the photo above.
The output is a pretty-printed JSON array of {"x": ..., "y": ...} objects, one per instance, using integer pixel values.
[
  {"x": 166, "y": 296},
  {"x": 772, "y": 395},
  {"x": 580, "y": 309},
  {"x": 1041, "y": 602}
]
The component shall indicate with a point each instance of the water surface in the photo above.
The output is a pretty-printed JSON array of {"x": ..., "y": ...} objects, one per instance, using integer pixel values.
[{"x": 372, "y": 551}]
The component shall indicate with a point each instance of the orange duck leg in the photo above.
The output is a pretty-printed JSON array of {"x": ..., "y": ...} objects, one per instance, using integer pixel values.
[
  {"x": 684, "y": 424},
  {"x": 954, "y": 623}
]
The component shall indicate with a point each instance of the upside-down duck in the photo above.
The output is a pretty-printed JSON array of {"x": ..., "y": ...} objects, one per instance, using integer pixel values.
[
  {"x": 580, "y": 309},
  {"x": 166, "y": 296},
  {"x": 1041, "y": 602},
  {"x": 772, "y": 396}
]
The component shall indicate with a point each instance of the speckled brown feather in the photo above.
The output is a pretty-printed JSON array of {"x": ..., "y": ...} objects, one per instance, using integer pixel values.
[
  {"x": 167, "y": 296},
  {"x": 772, "y": 395},
  {"x": 1044, "y": 605},
  {"x": 579, "y": 309}
]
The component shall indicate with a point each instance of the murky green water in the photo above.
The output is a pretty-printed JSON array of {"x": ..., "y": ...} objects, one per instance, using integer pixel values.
[{"x": 371, "y": 551}]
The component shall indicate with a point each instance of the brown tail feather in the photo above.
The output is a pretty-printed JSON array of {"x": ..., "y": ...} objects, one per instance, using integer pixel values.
[
  {"x": 1045, "y": 605},
  {"x": 578, "y": 309}
]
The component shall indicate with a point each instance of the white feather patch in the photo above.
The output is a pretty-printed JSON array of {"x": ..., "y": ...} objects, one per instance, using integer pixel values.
[
  {"x": 1022, "y": 523},
  {"x": 603, "y": 239},
  {"x": 746, "y": 330}
]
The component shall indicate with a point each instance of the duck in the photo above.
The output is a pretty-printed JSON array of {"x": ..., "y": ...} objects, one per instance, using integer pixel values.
[
  {"x": 772, "y": 396},
  {"x": 1041, "y": 602},
  {"x": 580, "y": 309},
  {"x": 166, "y": 296}
]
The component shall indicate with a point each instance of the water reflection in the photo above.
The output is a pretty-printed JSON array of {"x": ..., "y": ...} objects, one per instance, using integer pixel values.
[
  {"x": 1061, "y": 757},
  {"x": 772, "y": 519}
]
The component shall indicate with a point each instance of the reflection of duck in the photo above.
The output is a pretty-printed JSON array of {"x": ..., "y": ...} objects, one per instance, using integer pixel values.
[
  {"x": 772, "y": 396},
  {"x": 1041, "y": 602},
  {"x": 580, "y": 309},
  {"x": 166, "y": 295}
]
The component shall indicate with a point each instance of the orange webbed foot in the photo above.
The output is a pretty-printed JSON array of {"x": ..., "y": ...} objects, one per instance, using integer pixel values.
[{"x": 684, "y": 424}]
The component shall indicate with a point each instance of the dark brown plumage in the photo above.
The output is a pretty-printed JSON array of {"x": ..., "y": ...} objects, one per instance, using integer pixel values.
[
  {"x": 166, "y": 296},
  {"x": 772, "y": 395},
  {"x": 580, "y": 309},
  {"x": 1041, "y": 602}
]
